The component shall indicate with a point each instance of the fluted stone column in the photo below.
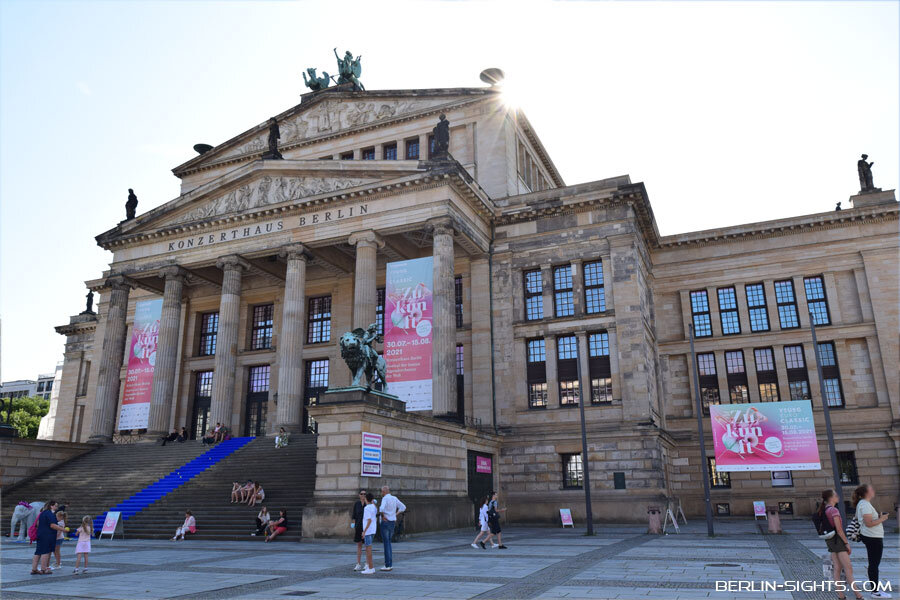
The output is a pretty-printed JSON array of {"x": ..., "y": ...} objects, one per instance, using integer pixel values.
[
  {"x": 112, "y": 356},
  {"x": 443, "y": 349},
  {"x": 226, "y": 343},
  {"x": 364, "y": 292},
  {"x": 166, "y": 352},
  {"x": 290, "y": 343}
]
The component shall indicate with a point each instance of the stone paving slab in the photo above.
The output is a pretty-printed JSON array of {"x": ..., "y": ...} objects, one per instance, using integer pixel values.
[
  {"x": 276, "y": 561},
  {"x": 363, "y": 586},
  {"x": 14, "y": 574}
]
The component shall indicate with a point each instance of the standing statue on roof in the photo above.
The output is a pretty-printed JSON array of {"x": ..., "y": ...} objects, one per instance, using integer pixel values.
[
  {"x": 131, "y": 205},
  {"x": 274, "y": 136},
  {"x": 349, "y": 69}
]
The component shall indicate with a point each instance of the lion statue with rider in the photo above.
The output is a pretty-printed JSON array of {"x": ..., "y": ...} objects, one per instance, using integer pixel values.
[{"x": 361, "y": 358}]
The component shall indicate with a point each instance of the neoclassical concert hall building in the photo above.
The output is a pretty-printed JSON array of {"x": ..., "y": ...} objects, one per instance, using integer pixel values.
[{"x": 546, "y": 294}]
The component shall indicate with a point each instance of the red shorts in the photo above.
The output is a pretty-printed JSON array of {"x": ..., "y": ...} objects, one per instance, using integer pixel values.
[{"x": 280, "y": 530}]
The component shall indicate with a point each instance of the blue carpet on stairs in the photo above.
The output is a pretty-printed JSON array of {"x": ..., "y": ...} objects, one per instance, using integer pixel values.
[{"x": 174, "y": 480}]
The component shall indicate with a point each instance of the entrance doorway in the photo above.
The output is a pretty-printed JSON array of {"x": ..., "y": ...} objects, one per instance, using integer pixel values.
[
  {"x": 257, "y": 401},
  {"x": 480, "y": 476},
  {"x": 202, "y": 401}
]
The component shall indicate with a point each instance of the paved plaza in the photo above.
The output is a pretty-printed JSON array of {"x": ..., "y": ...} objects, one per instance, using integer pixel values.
[{"x": 543, "y": 563}]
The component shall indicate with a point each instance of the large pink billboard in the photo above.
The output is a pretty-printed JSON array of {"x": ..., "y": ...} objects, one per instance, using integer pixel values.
[
  {"x": 135, "y": 412},
  {"x": 407, "y": 331},
  {"x": 765, "y": 436}
]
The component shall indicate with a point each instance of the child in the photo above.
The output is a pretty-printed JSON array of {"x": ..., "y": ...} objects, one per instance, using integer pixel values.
[
  {"x": 60, "y": 537},
  {"x": 83, "y": 547},
  {"x": 483, "y": 521}
]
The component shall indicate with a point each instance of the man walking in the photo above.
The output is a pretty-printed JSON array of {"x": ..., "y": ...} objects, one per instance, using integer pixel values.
[{"x": 390, "y": 508}]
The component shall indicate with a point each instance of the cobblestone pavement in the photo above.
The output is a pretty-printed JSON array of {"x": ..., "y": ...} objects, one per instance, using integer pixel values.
[{"x": 543, "y": 563}]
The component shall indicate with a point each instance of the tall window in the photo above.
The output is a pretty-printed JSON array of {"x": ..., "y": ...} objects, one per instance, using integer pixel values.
[
  {"x": 460, "y": 380},
  {"x": 412, "y": 149},
  {"x": 573, "y": 471},
  {"x": 368, "y": 154},
  {"x": 598, "y": 365},
  {"x": 390, "y": 152},
  {"x": 562, "y": 291},
  {"x": 594, "y": 292},
  {"x": 458, "y": 295},
  {"x": 209, "y": 329},
  {"x": 831, "y": 377},
  {"x": 847, "y": 468},
  {"x": 379, "y": 310},
  {"x": 534, "y": 298},
  {"x": 257, "y": 400},
  {"x": 203, "y": 381},
  {"x": 728, "y": 311},
  {"x": 787, "y": 304},
  {"x": 816, "y": 300},
  {"x": 798, "y": 378},
  {"x": 259, "y": 379},
  {"x": 567, "y": 370},
  {"x": 766, "y": 376},
  {"x": 756, "y": 303},
  {"x": 430, "y": 146},
  {"x": 709, "y": 382},
  {"x": 717, "y": 479},
  {"x": 536, "y": 372},
  {"x": 737, "y": 376},
  {"x": 261, "y": 335},
  {"x": 316, "y": 382},
  {"x": 700, "y": 314},
  {"x": 319, "y": 320}
]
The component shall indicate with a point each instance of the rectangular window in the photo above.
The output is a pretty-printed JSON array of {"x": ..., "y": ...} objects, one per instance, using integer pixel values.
[
  {"x": 766, "y": 375},
  {"x": 534, "y": 295},
  {"x": 782, "y": 479},
  {"x": 318, "y": 328},
  {"x": 787, "y": 304},
  {"x": 536, "y": 372},
  {"x": 816, "y": 300},
  {"x": 717, "y": 479},
  {"x": 847, "y": 468},
  {"x": 430, "y": 146},
  {"x": 723, "y": 509},
  {"x": 567, "y": 347},
  {"x": 347, "y": 155},
  {"x": 737, "y": 376},
  {"x": 599, "y": 367},
  {"x": 567, "y": 370},
  {"x": 573, "y": 473},
  {"x": 390, "y": 152},
  {"x": 379, "y": 310},
  {"x": 756, "y": 304},
  {"x": 793, "y": 357},
  {"x": 460, "y": 359},
  {"x": 709, "y": 382},
  {"x": 209, "y": 329},
  {"x": 460, "y": 381},
  {"x": 259, "y": 379},
  {"x": 728, "y": 311},
  {"x": 594, "y": 292},
  {"x": 203, "y": 388},
  {"x": 798, "y": 378},
  {"x": 562, "y": 291},
  {"x": 412, "y": 149},
  {"x": 768, "y": 392},
  {"x": 261, "y": 335},
  {"x": 765, "y": 360},
  {"x": 316, "y": 382},
  {"x": 458, "y": 295},
  {"x": 368, "y": 153},
  {"x": 700, "y": 314},
  {"x": 831, "y": 376},
  {"x": 785, "y": 508}
]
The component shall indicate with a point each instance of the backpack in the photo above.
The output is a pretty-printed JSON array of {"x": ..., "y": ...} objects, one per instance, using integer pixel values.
[
  {"x": 32, "y": 531},
  {"x": 853, "y": 530},
  {"x": 823, "y": 527}
]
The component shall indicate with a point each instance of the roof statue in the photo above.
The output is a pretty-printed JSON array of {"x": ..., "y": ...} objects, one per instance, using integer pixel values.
[
  {"x": 865, "y": 175},
  {"x": 274, "y": 135},
  {"x": 441, "y": 133},
  {"x": 89, "y": 307},
  {"x": 349, "y": 69},
  {"x": 316, "y": 83},
  {"x": 131, "y": 205}
]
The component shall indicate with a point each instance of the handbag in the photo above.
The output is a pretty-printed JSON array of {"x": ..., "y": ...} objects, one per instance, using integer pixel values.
[{"x": 853, "y": 530}]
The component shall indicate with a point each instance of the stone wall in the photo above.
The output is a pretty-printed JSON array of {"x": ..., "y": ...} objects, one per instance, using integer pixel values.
[{"x": 22, "y": 459}]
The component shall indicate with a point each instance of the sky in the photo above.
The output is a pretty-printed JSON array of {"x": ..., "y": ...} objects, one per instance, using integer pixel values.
[{"x": 729, "y": 112}]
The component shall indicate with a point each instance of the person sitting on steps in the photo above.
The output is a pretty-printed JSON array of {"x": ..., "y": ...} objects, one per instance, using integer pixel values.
[
  {"x": 278, "y": 527},
  {"x": 257, "y": 495}
]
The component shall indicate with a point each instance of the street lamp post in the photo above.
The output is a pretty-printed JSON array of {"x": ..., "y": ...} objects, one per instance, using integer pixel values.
[{"x": 703, "y": 462}]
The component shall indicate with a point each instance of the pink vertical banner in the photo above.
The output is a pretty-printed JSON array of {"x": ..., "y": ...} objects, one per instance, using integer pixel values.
[
  {"x": 135, "y": 411},
  {"x": 408, "y": 330}
]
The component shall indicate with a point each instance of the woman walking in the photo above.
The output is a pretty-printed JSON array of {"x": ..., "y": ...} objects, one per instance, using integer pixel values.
[
  {"x": 838, "y": 545},
  {"x": 871, "y": 532},
  {"x": 46, "y": 539},
  {"x": 483, "y": 523}
]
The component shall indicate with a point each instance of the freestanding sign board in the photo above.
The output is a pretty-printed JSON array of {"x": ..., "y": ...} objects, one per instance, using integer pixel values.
[
  {"x": 759, "y": 509},
  {"x": 765, "y": 436},
  {"x": 371, "y": 455},
  {"x": 135, "y": 412},
  {"x": 565, "y": 515},
  {"x": 408, "y": 330},
  {"x": 112, "y": 524}
]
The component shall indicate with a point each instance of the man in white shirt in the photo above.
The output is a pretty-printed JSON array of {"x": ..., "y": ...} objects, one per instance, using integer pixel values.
[
  {"x": 370, "y": 518},
  {"x": 390, "y": 508}
]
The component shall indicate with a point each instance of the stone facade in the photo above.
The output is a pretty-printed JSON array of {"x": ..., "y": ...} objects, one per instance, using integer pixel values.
[
  {"x": 23, "y": 459},
  {"x": 562, "y": 288}
]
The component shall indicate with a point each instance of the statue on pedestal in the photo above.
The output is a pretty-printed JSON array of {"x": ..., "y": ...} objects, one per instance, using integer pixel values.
[
  {"x": 89, "y": 309},
  {"x": 131, "y": 205},
  {"x": 274, "y": 136},
  {"x": 316, "y": 83},
  {"x": 865, "y": 175},
  {"x": 441, "y": 133},
  {"x": 362, "y": 358},
  {"x": 349, "y": 69}
]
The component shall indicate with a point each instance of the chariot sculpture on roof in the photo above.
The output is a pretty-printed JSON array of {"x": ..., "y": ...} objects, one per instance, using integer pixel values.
[{"x": 349, "y": 69}]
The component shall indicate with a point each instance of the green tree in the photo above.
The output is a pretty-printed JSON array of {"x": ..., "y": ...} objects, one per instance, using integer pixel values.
[{"x": 25, "y": 415}]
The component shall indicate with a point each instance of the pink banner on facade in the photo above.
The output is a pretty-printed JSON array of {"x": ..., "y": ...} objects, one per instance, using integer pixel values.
[
  {"x": 765, "y": 436},
  {"x": 407, "y": 331},
  {"x": 135, "y": 411},
  {"x": 482, "y": 464}
]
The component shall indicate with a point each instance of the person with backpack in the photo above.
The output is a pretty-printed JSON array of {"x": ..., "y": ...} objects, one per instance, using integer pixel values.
[
  {"x": 46, "y": 529},
  {"x": 871, "y": 532},
  {"x": 494, "y": 511},
  {"x": 827, "y": 520}
]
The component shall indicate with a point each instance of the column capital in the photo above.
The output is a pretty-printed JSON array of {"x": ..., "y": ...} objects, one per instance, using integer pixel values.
[
  {"x": 364, "y": 238},
  {"x": 294, "y": 252},
  {"x": 440, "y": 226},
  {"x": 173, "y": 272},
  {"x": 232, "y": 262},
  {"x": 119, "y": 282}
]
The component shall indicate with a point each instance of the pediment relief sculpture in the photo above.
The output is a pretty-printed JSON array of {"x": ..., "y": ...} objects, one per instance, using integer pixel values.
[{"x": 268, "y": 190}]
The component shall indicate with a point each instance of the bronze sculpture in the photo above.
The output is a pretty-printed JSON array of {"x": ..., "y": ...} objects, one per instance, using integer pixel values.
[
  {"x": 865, "y": 175},
  {"x": 361, "y": 358},
  {"x": 316, "y": 83},
  {"x": 349, "y": 69},
  {"x": 89, "y": 309},
  {"x": 131, "y": 205},
  {"x": 274, "y": 136},
  {"x": 441, "y": 133}
]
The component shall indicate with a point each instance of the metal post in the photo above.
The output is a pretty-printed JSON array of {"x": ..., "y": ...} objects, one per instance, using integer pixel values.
[
  {"x": 835, "y": 472},
  {"x": 584, "y": 450},
  {"x": 703, "y": 462}
]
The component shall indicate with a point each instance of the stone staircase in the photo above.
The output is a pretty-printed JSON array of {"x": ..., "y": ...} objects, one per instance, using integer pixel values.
[{"x": 287, "y": 475}]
